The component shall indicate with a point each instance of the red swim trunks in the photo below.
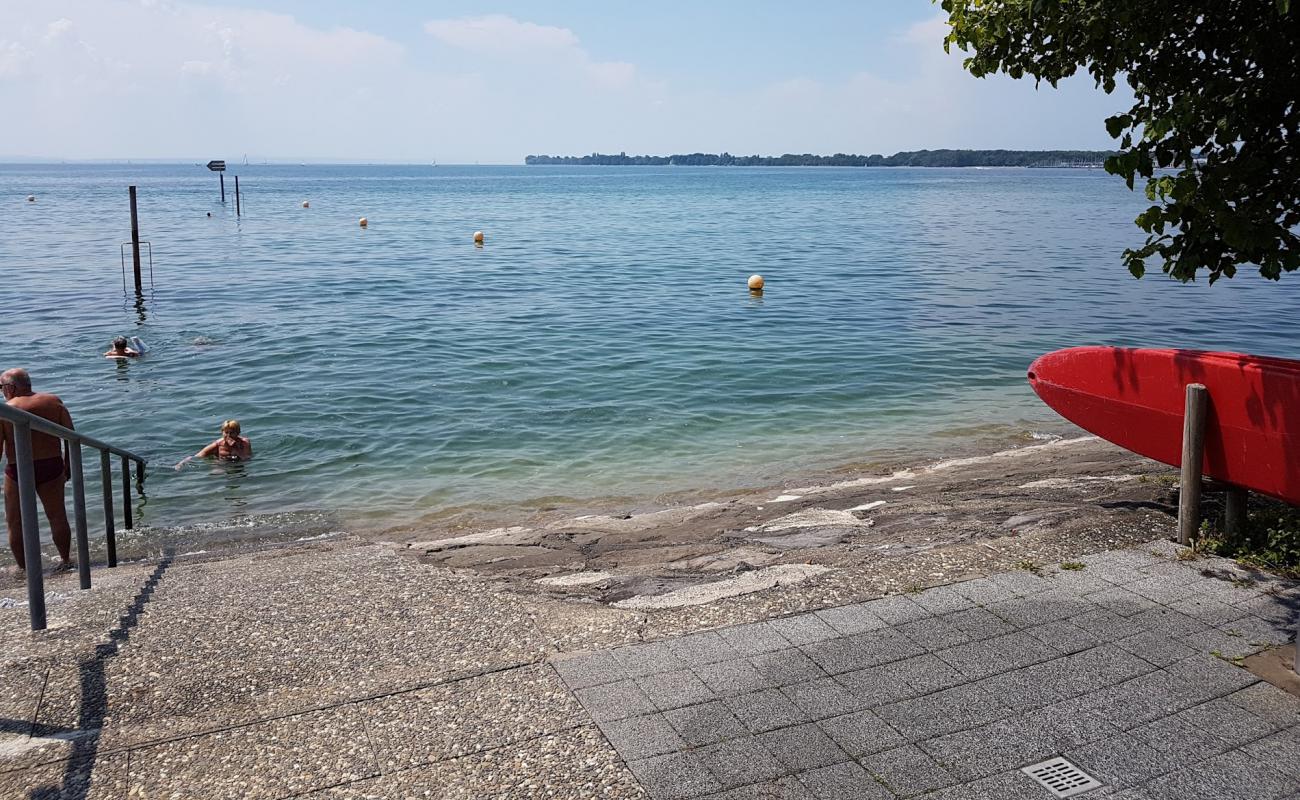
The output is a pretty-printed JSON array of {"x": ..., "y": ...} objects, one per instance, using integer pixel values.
[{"x": 46, "y": 469}]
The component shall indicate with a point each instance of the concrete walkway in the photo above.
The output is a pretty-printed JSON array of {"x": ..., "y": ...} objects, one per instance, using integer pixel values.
[{"x": 346, "y": 671}]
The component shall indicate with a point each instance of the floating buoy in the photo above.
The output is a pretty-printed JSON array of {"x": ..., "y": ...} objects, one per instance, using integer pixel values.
[
  {"x": 305, "y": 204},
  {"x": 363, "y": 222},
  {"x": 478, "y": 237},
  {"x": 31, "y": 198},
  {"x": 756, "y": 283},
  {"x": 209, "y": 213}
]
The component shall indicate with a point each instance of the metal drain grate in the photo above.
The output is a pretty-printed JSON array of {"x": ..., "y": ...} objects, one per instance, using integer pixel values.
[{"x": 1062, "y": 778}]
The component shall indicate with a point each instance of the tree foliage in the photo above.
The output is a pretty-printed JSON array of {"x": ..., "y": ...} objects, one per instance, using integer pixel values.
[{"x": 1212, "y": 131}]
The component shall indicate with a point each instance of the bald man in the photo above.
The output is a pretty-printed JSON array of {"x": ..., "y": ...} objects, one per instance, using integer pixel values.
[{"x": 49, "y": 464}]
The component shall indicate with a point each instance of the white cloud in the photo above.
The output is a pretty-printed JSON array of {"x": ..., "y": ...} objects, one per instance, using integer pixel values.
[{"x": 498, "y": 33}]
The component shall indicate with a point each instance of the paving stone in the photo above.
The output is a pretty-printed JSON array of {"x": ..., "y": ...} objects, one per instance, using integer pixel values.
[
  {"x": 593, "y": 669},
  {"x": 293, "y": 755},
  {"x": 1155, "y": 648},
  {"x": 1269, "y": 703},
  {"x": 982, "y": 659},
  {"x": 702, "y": 648},
  {"x": 787, "y": 788},
  {"x": 1107, "y": 625},
  {"x": 1223, "y": 643},
  {"x": 705, "y": 723},
  {"x": 983, "y": 591},
  {"x": 934, "y": 633},
  {"x": 615, "y": 701},
  {"x": 1102, "y": 666},
  {"x": 907, "y": 771},
  {"x": 863, "y": 650},
  {"x": 1069, "y": 724},
  {"x": 846, "y": 781},
  {"x": 853, "y": 619},
  {"x": 943, "y": 600},
  {"x": 1014, "y": 785},
  {"x": 823, "y": 698},
  {"x": 1048, "y": 606},
  {"x": 862, "y": 733},
  {"x": 1121, "y": 602},
  {"x": 1280, "y": 751},
  {"x": 727, "y": 678},
  {"x": 943, "y": 712},
  {"x": 1177, "y": 737},
  {"x": 901, "y": 680},
  {"x": 1231, "y": 776},
  {"x": 753, "y": 639},
  {"x": 1188, "y": 573},
  {"x": 1063, "y": 636},
  {"x": 989, "y": 749},
  {"x": 1209, "y": 677},
  {"x": 737, "y": 762},
  {"x": 787, "y": 666},
  {"x": 101, "y": 778},
  {"x": 1141, "y": 700},
  {"x": 1170, "y": 622},
  {"x": 1026, "y": 689},
  {"x": 765, "y": 711},
  {"x": 1021, "y": 583},
  {"x": 1209, "y": 610},
  {"x": 675, "y": 776},
  {"x": 669, "y": 690},
  {"x": 897, "y": 609},
  {"x": 979, "y": 623},
  {"x": 1228, "y": 721},
  {"x": 1122, "y": 761},
  {"x": 642, "y": 737},
  {"x": 647, "y": 659},
  {"x": 1258, "y": 631},
  {"x": 1080, "y": 583},
  {"x": 803, "y": 629},
  {"x": 802, "y": 747}
]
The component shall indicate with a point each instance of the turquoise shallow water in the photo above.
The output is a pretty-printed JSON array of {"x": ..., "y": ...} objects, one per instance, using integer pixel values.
[{"x": 601, "y": 344}]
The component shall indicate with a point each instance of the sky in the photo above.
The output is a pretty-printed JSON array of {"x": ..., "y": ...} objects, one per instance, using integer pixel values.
[{"x": 490, "y": 83}]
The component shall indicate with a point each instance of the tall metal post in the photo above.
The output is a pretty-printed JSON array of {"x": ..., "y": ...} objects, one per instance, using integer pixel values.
[
  {"x": 126, "y": 493},
  {"x": 79, "y": 512},
  {"x": 31, "y": 534},
  {"x": 135, "y": 242},
  {"x": 1189, "y": 484},
  {"x": 106, "y": 479},
  {"x": 222, "y": 176},
  {"x": 237, "y": 211}
]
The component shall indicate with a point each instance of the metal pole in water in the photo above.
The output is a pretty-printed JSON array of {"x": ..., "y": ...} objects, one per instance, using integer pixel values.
[
  {"x": 1189, "y": 484},
  {"x": 222, "y": 176},
  {"x": 126, "y": 493},
  {"x": 106, "y": 481},
  {"x": 237, "y": 211},
  {"x": 31, "y": 535},
  {"x": 135, "y": 242},
  {"x": 79, "y": 512}
]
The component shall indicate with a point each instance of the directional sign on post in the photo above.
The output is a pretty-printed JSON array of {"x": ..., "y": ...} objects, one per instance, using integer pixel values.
[{"x": 217, "y": 166}]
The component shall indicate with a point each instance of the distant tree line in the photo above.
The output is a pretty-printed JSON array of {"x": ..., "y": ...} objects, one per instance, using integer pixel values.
[{"x": 915, "y": 158}]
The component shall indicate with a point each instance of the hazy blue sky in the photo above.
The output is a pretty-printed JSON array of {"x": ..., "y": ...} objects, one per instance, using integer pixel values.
[{"x": 462, "y": 82}]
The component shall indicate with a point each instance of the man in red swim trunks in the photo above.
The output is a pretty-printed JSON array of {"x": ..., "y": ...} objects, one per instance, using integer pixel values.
[{"x": 49, "y": 464}]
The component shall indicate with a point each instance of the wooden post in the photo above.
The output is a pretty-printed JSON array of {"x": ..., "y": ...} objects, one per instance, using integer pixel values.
[
  {"x": 135, "y": 242},
  {"x": 1234, "y": 511},
  {"x": 237, "y": 212},
  {"x": 1189, "y": 486},
  {"x": 222, "y": 176}
]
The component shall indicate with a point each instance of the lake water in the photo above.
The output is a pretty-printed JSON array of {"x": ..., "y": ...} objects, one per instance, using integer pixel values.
[{"x": 602, "y": 344}]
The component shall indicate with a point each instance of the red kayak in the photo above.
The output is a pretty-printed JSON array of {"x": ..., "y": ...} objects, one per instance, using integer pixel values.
[{"x": 1135, "y": 398}]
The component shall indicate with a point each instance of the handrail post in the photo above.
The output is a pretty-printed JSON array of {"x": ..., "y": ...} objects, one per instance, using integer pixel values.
[
  {"x": 126, "y": 493},
  {"x": 31, "y": 534},
  {"x": 106, "y": 479},
  {"x": 1189, "y": 483},
  {"x": 79, "y": 512}
]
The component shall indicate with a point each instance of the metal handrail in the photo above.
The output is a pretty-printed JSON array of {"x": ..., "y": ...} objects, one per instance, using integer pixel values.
[{"x": 23, "y": 424}]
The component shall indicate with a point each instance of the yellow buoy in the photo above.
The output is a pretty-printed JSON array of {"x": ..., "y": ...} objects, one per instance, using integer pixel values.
[
  {"x": 31, "y": 198},
  {"x": 756, "y": 283},
  {"x": 363, "y": 222},
  {"x": 305, "y": 204},
  {"x": 478, "y": 236}
]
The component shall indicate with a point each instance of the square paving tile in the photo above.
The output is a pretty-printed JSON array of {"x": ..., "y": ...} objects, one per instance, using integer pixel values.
[
  {"x": 642, "y": 737},
  {"x": 753, "y": 639},
  {"x": 737, "y": 762},
  {"x": 981, "y": 659},
  {"x": 823, "y": 698},
  {"x": 702, "y": 648},
  {"x": 1063, "y": 636},
  {"x": 863, "y": 650},
  {"x": 647, "y": 659},
  {"x": 907, "y": 771},
  {"x": 943, "y": 712},
  {"x": 669, "y": 690},
  {"x": 934, "y": 633},
  {"x": 1155, "y": 648},
  {"x": 787, "y": 666},
  {"x": 765, "y": 711},
  {"x": 943, "y": 600},
  {"x": 1121, "y": 602},
  {"x": 803, "y": 629},
  {"x": 983, "y": 591},
  {"x": 1229, "y": 721},
  {"x": 979, "y": 623},
  {"x": 897, "y": 609},
  {"x": 593, "y": 669},
  {"x": 849, "y": 620},
  {"x": 676, "y": 776},
  {"x": 727, "y": 678},
  {"x": 1122, "y": 761},
  {"x": 787, "y": 788},
  {"x": 802, "y": 747},
  {"x": 846, "y": 781},
  {"x": 990, "y": 749},
  {"x": 706, "y": 723},
  {"x": 1231, "y": 776},
  {"x": 1268, "y": 702},
  {"x": 615, "y": 701},
  {"x": 862, "y": 733},
  {"x": 1280, "y": 751}
]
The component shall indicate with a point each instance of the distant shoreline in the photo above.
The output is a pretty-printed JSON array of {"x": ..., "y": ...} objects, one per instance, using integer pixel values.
[{"x": 912, "y": 158}]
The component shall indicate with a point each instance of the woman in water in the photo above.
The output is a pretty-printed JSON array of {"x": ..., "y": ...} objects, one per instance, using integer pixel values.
[{"x": 230, "y": 447}]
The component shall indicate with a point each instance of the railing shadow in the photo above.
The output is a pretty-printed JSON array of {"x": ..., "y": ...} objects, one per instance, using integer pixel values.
[{"x": 94, "y": 700}]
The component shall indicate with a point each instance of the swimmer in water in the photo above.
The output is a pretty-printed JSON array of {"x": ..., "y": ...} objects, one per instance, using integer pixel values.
[
  {"x": 230, "y": 447},
  {"x": 120, "y": 349}
]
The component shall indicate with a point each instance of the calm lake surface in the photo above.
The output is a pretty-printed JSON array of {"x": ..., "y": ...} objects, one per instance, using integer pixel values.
[{"x": 602, "y": 344}]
